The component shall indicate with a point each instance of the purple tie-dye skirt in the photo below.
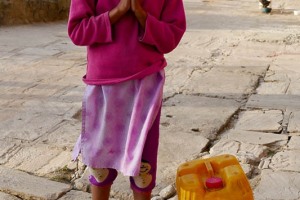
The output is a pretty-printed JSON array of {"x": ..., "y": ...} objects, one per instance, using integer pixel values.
[{"x": 115, "y": 123}]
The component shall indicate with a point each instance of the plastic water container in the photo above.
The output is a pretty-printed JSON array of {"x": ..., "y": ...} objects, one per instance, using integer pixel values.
[{"x": 216, "y": 178}]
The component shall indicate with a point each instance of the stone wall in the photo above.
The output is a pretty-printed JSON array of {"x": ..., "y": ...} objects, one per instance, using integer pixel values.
[{"x": 28, "y": 11}]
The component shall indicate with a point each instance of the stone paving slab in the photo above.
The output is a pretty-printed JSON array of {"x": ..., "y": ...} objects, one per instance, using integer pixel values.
[
  {"x": 282, "y": 77},
  {"x": 40, "y": 155},
  {"x": 256, "y": 49},
  {"x": 8, "y": 146},
  {"x": 260, "y": 120},
  {"x": 34, "y": 126},
  {"x": 278, "y": 185},
  {"x": 60, "y": 162},
  {"x": 76, "y": 195},
  {"x": 30, "y": 187},
  {"x": 273, "y": 88},
  {"x": 294, "y": 120},
  {"x": 254, "y": 137},
  {"x": 65, "y": 136},
  {"x": 4, "y": 196},
  {"x": 176, "y": 78},
  {"x": 286, "y": 161},
  {"x": 274, "y": 101},
  {"x": 289, "y": 63},
  {"x": 206, "y": 115},
  {"x": 169, "y": 158},
  {"x": 46, "y": 30},
  {"x": 294, "y": 143},
  {"x": 245, "y": 152},
  {"x": 206, "y": 83}
]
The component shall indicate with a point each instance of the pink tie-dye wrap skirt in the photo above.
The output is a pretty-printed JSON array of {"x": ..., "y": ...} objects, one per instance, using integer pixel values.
[{"x": 116, "y": 120}]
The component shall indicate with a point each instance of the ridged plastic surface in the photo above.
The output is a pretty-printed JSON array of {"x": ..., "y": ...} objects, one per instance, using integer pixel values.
[{"x": 192, "y": 176}]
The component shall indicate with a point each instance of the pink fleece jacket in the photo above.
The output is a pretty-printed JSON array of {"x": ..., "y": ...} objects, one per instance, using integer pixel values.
[{"x": 125, "y": 51}]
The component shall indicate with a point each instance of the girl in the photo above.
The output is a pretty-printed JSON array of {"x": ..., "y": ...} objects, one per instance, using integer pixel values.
[{"x": 126, "y": 41}]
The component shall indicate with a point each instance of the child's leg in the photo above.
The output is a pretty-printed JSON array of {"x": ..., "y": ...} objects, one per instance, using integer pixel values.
[
  {"x": 101, "y": 181},
  {"x": 100, "y": 193},
  {"x": 143, "y": 184},
  {"x": 141, "y": 195}
]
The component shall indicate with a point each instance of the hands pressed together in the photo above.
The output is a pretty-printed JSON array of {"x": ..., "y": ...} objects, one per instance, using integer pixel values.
[{"x": 125, "y": 6}]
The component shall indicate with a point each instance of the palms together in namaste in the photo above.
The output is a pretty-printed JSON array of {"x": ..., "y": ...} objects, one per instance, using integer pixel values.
[{"x": 124, "y": 6}]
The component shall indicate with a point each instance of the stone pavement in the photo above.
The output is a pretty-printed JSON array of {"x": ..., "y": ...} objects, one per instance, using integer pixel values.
[{"x": 233, "y": 86}]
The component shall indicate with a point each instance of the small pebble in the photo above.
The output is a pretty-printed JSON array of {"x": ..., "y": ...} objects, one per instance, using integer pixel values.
[{"x": 168, "y": 192}]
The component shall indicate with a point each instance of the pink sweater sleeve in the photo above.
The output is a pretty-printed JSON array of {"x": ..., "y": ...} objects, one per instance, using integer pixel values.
[
  {"x": 84, "y": 28},
  {"x": 166, "y": 33}
]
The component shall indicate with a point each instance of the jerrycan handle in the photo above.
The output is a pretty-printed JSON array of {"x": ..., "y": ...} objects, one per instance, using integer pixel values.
[{"x": 209, "y": 169}]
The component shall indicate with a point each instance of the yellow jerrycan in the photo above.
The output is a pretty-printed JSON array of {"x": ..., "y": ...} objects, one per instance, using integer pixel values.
[{"x": 216, "y": 178}]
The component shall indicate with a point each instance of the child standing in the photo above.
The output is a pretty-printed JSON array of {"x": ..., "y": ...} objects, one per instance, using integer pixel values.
[{"x": 126, "y": 41}]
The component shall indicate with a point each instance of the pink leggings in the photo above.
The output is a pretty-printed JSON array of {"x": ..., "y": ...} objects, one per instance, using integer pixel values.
[{"x": 145, "y": 181}]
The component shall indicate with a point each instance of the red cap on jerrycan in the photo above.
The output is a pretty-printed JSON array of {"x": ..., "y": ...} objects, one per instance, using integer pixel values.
[{"x": 214, "y": 183}]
